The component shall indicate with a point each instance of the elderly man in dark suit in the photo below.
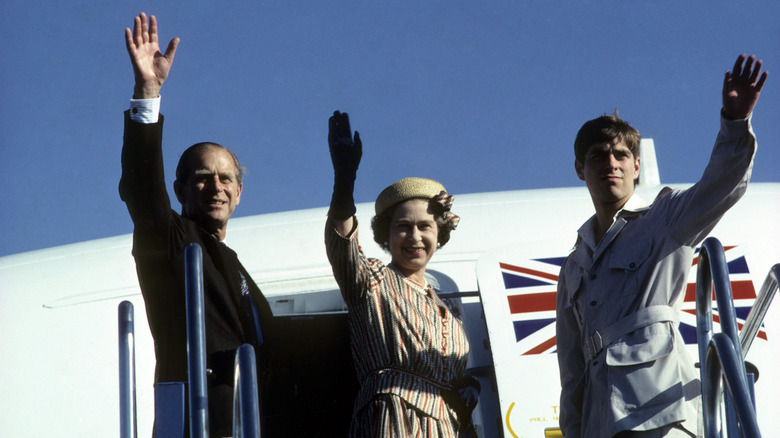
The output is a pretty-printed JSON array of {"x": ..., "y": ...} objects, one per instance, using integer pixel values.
[{"x": 208, "y": 185}]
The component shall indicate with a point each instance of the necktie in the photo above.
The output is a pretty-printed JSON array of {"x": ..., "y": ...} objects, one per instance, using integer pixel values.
[{"x": 251, "y": 314}]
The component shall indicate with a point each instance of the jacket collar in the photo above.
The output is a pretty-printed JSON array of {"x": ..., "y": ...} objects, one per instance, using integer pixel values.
[{"x": 631, "y": 209}]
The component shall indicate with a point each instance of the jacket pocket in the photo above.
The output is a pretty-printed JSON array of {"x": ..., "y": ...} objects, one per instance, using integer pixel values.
[
  {"x": 630, "y": 255},
  {"x": 625, "y": 261},
  {"x": 643, "y": 370}
]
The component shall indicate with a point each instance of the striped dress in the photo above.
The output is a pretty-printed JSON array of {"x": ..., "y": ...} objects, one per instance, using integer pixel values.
[{"x": 407, "y": 346}]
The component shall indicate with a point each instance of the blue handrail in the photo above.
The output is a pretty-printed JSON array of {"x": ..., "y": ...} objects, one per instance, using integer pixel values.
[
  {"x": 713, "y": 272},
  {"x": 760, "y": 306},
  {"x": 246, "y": 411},
  {"x": 196, "y": 341},
  {"x": 721, "y": 352},
  {"x": 127, "y": 408},
  {"x": 722, "y": 355}
]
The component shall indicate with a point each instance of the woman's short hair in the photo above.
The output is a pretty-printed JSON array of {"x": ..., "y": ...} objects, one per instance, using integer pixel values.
[
  {"x": 439, "y": 201},
  {"x": 380, "y": 224}
]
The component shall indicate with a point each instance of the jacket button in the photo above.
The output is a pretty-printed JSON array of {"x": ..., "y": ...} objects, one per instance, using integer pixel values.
[
  {"x": 592, "y": 303},
  {"x": 593, "y": 277},
  {"x": 632, "y": 265}
]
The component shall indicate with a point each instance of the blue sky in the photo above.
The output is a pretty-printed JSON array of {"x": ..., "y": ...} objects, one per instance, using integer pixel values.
[{"x": 483, "y": 96}]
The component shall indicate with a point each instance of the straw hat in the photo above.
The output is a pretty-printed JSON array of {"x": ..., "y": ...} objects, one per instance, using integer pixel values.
[{"x": 405, "y": 189}]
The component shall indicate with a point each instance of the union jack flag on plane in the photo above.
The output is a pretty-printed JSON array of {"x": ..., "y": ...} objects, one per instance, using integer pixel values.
[{"x": 531, "y": 288}]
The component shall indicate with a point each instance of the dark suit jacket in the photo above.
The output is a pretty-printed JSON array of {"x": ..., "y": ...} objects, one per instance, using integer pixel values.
[{"x": 159, "y": 239}]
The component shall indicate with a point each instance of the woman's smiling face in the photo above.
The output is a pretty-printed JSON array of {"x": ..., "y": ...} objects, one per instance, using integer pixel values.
[{"x": 413, "y": 237}]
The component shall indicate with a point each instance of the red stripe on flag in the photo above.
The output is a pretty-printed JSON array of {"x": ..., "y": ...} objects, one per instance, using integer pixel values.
[
  {"x": 740, "y": 290},
  {"x": 541, "y": 348},
  {"x": 537, "y": 302},
  {"x": 509, "y": 267}
]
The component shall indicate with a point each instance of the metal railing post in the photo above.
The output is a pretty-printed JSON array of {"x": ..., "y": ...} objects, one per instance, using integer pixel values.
[
  {"x": 724, "y": 362},
  {"x": 714, "y": 272},
  {"x": 196, "y": 341},
  {"x": 760, "y": 307},
  {"x": 246, "y": 411},
  {"x": 720, "y": 355},
  {"x": 127, "y": 408}
]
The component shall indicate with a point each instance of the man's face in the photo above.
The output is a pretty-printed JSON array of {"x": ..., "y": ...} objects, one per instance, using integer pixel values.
[
  {"x": 609, "y": 172},
  {"x": 211, "y": 191}
]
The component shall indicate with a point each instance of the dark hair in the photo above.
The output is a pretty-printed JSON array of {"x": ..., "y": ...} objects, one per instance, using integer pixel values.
[
  {"x": 380, "y": 224},
  {"x": 184, "y": 168},
  {"x": 606, "y": 129}
]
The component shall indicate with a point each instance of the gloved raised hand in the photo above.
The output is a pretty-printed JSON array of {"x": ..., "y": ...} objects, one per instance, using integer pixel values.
[{"x": 345, "y": 153}]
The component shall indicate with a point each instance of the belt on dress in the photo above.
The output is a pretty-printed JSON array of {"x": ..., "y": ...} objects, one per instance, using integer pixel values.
[
  {"x": 449, "y": 392},
  {"x": 443, "y": 386}
]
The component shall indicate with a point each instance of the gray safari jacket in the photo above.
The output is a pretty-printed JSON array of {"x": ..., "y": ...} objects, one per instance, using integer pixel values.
[{"x": 623, "y": 364}]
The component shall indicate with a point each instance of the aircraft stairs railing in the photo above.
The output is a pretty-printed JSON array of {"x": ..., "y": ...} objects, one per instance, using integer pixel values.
[
  {"x": 722, "y": 355},
  {"x": 127, "y": 409},
  {"x": 246, "y": 413}
]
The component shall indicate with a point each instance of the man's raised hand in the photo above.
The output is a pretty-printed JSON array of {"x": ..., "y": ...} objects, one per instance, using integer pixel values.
[
  {"x": 151, "y": 67},
  {"x": 742, "y": 86}
]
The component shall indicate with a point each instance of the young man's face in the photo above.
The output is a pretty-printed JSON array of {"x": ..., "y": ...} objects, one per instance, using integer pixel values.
[{"x": 609, "y": 172}]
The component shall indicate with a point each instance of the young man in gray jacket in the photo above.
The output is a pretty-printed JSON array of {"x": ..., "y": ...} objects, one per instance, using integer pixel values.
[{"x": 623, "y": 365}]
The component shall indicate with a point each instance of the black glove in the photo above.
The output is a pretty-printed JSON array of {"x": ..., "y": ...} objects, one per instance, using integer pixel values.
[
  {"x": 464, "y": 398},
  {"x": 345, "y": 154}
]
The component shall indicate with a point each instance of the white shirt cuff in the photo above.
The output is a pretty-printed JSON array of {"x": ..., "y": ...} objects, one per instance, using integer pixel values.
[{"x": 145, "y": 110}]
